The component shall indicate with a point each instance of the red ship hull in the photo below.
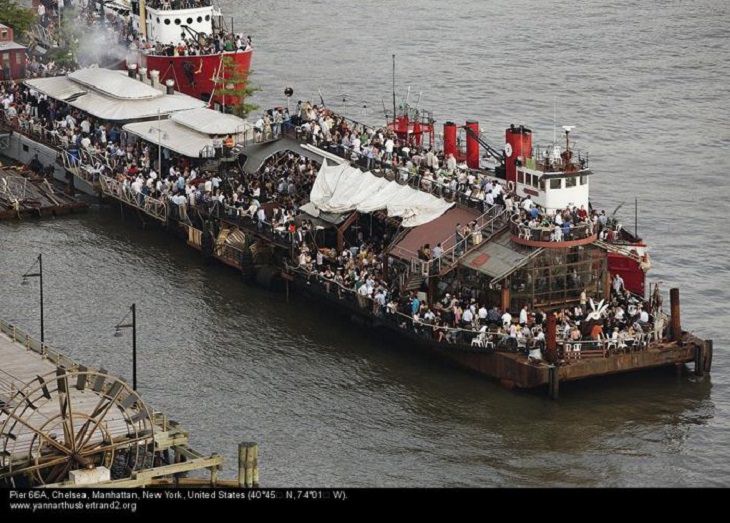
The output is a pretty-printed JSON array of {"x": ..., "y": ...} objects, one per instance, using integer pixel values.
[{"x": 195, "y": 75}]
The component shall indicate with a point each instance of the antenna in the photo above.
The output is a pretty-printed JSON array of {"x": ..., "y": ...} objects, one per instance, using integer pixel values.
[
  {"x": 555, "y": 120},
  {"x": 394, "y": 110},
  {"x": 567, "y": 129}
]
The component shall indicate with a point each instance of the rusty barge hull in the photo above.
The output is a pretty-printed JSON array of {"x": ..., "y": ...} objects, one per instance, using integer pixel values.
[{"x": 508, "y": 368}]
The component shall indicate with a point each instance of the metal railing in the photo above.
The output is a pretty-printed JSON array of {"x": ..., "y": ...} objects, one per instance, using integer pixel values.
[
  {"x": 456, "y": 246},
  {"x": 546, "y": 234},
  {"x": 151, "y": 206}
]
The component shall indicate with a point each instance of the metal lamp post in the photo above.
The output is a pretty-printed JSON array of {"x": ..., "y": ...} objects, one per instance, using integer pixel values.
[
  {"x": 118, "y": 333},
  {"x": 38, "y": 275}
]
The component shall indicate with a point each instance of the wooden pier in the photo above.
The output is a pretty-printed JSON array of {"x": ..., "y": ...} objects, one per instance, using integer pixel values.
[{"x": 63, "y": 424}]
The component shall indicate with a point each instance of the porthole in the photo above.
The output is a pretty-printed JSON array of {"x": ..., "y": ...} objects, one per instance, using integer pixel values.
[
  {"x": 167, "y": 21},
  {"x": 207, "y": 17},
  {"x": 190, "y": 21},
  {"x": 200, "y": 19},
  {"x": 177, "y": 21}
]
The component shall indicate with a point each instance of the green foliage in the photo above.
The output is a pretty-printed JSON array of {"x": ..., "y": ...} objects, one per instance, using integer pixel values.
[
  {"x": 233, "y": 84},
  {"x": 16, "y": 16}
]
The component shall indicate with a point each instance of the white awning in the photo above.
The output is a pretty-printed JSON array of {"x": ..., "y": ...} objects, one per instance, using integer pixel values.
[
  {"x": 115, "y": 84},
  {"x": 178, "y": 138},
  {"x": 208, "y": 121},
  {"x": 343, "y": 188},
  {"x": 136, "y": 106},
  {"x": 170, "y": 135}
]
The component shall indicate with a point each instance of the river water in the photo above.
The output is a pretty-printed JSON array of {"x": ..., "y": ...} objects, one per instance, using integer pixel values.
[{"x": 645, "y": 83}]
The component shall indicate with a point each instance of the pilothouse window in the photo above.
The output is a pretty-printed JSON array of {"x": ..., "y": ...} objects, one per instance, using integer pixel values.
[
  {"x": 570, "y": 182},
  {"x": 556, "y": 183}
]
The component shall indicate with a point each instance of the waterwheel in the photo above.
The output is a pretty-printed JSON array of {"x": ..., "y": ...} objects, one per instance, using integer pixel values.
[{"x": 69, "y": 420}]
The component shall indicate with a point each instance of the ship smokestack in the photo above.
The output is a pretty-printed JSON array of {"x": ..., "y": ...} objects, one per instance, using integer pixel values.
[
  {"x": 472, "y": 145},
  {"x": 518, "y": 149},
  {"x": 132, "y": 70},
  {"x": 449, "y": 139},
  {"x": 170, "y": 85}
]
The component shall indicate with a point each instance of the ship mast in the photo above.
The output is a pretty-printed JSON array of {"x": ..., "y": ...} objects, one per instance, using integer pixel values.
[{"x": 143, "y": 19}]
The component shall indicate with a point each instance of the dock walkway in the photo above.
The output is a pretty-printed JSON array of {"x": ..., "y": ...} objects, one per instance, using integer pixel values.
[{"x": 58, "y": 416}]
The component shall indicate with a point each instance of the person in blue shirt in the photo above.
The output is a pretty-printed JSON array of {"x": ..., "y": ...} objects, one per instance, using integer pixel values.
[
  {"x": 566, "y": 230},
  {"x": 415, "y": 305}
]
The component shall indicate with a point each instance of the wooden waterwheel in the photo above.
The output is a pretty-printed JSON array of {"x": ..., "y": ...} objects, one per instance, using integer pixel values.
[{"x": 73, "y": 419}]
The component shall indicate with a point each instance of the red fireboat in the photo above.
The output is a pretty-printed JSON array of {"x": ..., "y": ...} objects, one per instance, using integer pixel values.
[{"x": 165, "y": 24}]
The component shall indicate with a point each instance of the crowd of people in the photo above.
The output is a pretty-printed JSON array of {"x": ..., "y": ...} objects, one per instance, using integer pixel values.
[
  {"x": 571, "y": 223},
  {"x": 119, "y": 29},
  {"x": 272, "y": 197}
]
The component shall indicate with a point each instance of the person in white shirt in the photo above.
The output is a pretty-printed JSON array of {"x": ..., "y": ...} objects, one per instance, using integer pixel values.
[
  {"x": 527, "y": 204},
  {"x": 506, "y": 319},
  {"x": 467, "y": 317},
  {"x": 483, "y": 313},
  {"x": 389, "y": 144},
  {"x": 523, "y": 315}
]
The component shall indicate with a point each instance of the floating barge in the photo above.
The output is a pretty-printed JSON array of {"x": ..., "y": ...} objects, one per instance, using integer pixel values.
[
  {"x": 511, "y": 263},
  {"x": 23, "y": 194}
]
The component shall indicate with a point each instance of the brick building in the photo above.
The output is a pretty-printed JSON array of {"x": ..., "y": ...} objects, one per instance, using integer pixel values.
[{"x": 12, "y": 55}]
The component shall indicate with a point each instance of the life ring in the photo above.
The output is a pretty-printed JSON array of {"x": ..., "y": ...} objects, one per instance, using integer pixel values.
[{"x": 511, "y": 185}]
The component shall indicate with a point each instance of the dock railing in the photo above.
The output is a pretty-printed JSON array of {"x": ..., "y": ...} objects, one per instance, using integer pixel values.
[{"x": 20, "y": 336}]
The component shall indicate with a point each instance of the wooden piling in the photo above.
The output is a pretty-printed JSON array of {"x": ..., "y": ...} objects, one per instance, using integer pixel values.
[
  {"x": 248, "y": 465},
  {"x": 676, "y": 325},
  {"x": 700, "y": 360},
  {"x": 553, "y": 382},
  {"x": 242, "y": 465},
  {"x": 708, "y": 355},
  {"x": 551, "y": 342}
]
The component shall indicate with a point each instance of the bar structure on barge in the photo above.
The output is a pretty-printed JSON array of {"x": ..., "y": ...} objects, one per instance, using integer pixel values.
[{"x": 512, "y": 264}]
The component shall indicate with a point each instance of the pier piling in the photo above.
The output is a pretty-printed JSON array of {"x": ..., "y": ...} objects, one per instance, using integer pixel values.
[
  {"x": 676, "y": 325},
  {"x": 553, "y": 382},
  {"x": 248, "y": 465},
  {"x": 700, "y": 360},
  {"x": 551, "y": 344},
  {"x": 708, "y": 355}
]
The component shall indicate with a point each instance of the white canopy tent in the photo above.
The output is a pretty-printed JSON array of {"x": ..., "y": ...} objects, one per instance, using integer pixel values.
[
  {"x": 208, "y": 121},
  {"x": 192, "y": 135},
  {"x": 111, "y": 95},
  {"x": 343, "y": 188},
  {"x": 170, "y": 135}
]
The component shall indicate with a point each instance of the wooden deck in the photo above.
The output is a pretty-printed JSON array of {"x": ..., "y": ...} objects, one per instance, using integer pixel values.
[{"x": 36, "y": 419}]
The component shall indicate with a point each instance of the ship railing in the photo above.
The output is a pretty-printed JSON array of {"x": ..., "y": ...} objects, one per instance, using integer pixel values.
[
  {"x": 30, "y": 129},
  {"x": 545, "y": 234},
  {"x": 118, "y": 190},
  {"x": 456, "y": 246},
  {"x": 549, "y": 158},
  {"x": 453, "y": 336},
  {"x": 278, "y": 234},
  {"x": 177, "y": 5}
]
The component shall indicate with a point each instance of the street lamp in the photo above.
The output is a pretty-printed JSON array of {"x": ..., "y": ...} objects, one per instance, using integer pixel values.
[
  {"x": 38, "y": 275},
  {"x": 118, "y": 333}
]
